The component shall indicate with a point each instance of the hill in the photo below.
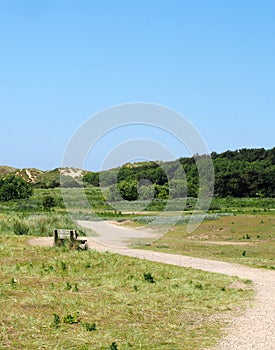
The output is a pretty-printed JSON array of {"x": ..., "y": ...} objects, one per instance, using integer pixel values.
[
  {"x": 71, "y": 177},
  {"x": 4, "y": 170},
  {"x": 240, "y": 173}
]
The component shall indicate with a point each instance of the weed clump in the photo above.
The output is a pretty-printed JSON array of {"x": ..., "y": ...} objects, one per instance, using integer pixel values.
[
  {"x": 20, "y": 228},
  {"x": 90, "y": 327},
  {"x": 113, "y": 346},
  {"x": 198, "y": 285},
  {"x": 63, "y": 266},
  {"x": 71, "y": 318},
  {"x": 13, "y": 283},
  {"x": 148, "y": 277},
  {"x": 68, "y": 286},
  {"x": 56, "y": 321}
]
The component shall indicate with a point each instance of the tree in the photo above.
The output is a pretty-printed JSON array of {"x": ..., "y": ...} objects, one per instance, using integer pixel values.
[
  {"x": 14, "y": 187},
  {"x": 178, "y": 188},
  {"x": 146, "y": 192},
  {"x": 128, "y": 190},
  {"x": 161, "y": 192},
  {"x": 113, "y": 194},
  {"x": 91, "y": 178}
]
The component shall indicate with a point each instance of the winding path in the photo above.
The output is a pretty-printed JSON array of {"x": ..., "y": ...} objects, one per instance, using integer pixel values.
[{"x": 254, "y": 329}]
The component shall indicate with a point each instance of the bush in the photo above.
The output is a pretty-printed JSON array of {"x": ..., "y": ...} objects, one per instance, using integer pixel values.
[
  {"x": 48, "y": 202},
  {"x": 14, "y": 187},
  {"x": 20, "y": 228}
]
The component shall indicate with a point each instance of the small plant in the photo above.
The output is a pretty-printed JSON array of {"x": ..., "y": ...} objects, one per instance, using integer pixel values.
[
  {"x": 90, "y": 327},
  {"x": 148, "y": 277},
  {"x": 68, "y": 286},
  {"x": 244, "y": 253},
  {"x": 56, "y": 321},
  {"x": 20, "y": 228},
  {"x": 135, "y": 288},
  {"x": 13, "y": 283},
  {"x": 198, "y": 285},
  {"x": 75, "y": 288},
  {"x": 71, "y": 318},
  {"x": 63, "y": 266},
  {"x": 113, "y": 346}
]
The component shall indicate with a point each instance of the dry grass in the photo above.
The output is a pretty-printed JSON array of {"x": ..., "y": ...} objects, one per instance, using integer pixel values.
[
  {"x": 244, "y": 239},
  {"x": 182, "y": 310}
]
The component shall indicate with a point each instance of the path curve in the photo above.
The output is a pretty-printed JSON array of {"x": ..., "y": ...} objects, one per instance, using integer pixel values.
[
  {"x": 254, "y": 329},
  {"x": 111, "y": 234}
]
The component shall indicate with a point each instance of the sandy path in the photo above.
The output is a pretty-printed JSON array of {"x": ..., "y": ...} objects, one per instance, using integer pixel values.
[
  {"x": 116, "y": 236},
  {"x": 254, "y": 329}
]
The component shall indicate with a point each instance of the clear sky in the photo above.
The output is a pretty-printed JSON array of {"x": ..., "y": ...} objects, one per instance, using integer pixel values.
[{"x": 62, "y": 61}]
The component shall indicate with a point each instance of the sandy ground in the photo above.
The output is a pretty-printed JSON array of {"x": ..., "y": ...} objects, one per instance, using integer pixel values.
[
  {"x": 116, "y": 236},
  {"x": 253, "y": 329}
]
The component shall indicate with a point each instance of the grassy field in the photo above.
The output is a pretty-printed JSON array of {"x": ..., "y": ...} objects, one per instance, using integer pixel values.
[
  {"x": 56, "y": 299},
  {"x": 247, "y": 239}
]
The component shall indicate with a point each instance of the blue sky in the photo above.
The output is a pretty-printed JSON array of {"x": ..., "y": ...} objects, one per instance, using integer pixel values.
[{"x": 213, "y": 61}]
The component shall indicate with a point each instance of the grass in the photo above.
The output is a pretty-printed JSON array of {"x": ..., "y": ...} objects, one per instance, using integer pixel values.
[
  {"x": 51, "y": 298},
  {"x": 226, "y": 239},
  {"x": 243, "y": 205},
  {"x": 38, "y": 224}
]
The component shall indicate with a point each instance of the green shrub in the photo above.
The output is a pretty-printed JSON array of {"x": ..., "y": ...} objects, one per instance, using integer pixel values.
[
  {"x": 90, "y": 327},
  {"x": 148, "y": 277},
  {"x": 20, "y": 228},
  {"x": 48, "y": 202},
  {"x": 71, "y": 318},
  {"x": 113, "y": 346}
]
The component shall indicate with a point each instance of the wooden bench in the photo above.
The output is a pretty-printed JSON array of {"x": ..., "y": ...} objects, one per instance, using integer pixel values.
[{"x": 70, "y": 237}]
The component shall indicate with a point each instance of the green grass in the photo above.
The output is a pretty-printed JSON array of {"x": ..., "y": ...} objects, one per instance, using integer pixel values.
[
  {"x": 254, "y": 234},
  {"x": 243, "y": 205},
  {"x": 56, "y": 299},
  {"x": 38, "y": 224}
]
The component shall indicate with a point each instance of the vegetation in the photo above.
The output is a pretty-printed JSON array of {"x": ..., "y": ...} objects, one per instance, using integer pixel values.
[
  {"x": 113, "y": 305},
  {"x": 48, "y": 202},
  {"x": 105, "y": 301},
  {"x": 246, "y": 239},
  {"x": 14, "y": 187},
  {"x": 240, "y": 173},
  {"x": 38, "y": 224}
]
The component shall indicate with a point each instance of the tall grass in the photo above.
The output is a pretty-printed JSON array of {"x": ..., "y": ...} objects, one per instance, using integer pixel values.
[{"x": 41, "y": 224}]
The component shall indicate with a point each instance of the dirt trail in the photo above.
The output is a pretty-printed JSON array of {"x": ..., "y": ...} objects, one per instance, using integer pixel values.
[{"x": 254, "y": 329}]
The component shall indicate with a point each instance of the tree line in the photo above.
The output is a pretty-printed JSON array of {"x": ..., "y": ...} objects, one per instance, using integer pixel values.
[{"x": 240, "y": 173}]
